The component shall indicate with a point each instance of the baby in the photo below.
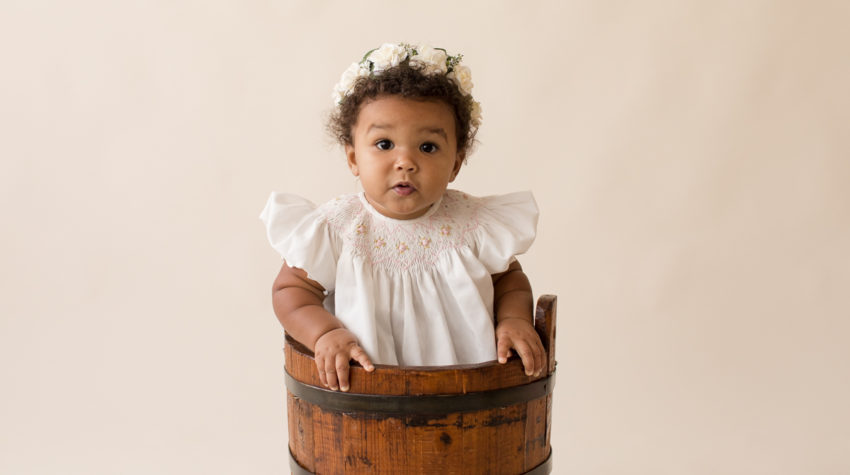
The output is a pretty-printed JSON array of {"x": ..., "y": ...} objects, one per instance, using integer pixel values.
[{"x": 407, "y": 272}]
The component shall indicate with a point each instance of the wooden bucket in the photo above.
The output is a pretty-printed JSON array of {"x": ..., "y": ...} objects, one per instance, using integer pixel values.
[{"x": 483, "y": 418}]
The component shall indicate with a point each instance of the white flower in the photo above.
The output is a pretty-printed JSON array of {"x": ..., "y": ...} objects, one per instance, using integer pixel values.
[
  {"x": 347, "y": 80},
  {"x": 387, "y": 56},
  {"x": 431, "y": 60},
  {"x": 427, "y": 59},
  {"x": 462, "y": 76},
  {"x": 475, "y": 114}
]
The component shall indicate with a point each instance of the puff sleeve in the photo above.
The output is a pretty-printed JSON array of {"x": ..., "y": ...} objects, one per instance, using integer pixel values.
[
  {"x": 507, "y": 227},
  {"x": 299, "y": 232}
]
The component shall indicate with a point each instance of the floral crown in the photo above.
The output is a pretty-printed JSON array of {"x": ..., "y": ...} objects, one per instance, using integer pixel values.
[{"x": 426, "y": 59}]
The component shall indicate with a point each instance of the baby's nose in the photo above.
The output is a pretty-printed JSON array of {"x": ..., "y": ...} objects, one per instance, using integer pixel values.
[{"x": 405, "y": 162}]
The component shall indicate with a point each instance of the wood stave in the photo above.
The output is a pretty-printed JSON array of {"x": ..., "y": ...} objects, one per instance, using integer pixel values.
[{"x": 518, "y": 435}]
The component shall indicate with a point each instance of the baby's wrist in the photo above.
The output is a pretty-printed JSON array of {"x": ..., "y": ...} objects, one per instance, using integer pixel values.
[
  {"x": 510, "y": 317},
  {"x": 325, "y": 333}
]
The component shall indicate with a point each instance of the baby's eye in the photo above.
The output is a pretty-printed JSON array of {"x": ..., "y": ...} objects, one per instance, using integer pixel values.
[
  {"x": 384, "y": 144},
  {"x": 428, "y": 147}
]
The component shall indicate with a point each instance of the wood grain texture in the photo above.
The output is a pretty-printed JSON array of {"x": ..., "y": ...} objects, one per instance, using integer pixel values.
[{"x": 504, "y": 440}]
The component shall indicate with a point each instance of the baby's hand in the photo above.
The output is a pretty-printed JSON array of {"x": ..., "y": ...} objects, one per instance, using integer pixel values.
[
  {"x": 517, "y": 333},
  {"x": 332, "y": 352}
]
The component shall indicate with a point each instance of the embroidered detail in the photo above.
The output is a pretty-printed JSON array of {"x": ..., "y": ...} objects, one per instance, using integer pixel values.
[{"x": 416, "y": 243}]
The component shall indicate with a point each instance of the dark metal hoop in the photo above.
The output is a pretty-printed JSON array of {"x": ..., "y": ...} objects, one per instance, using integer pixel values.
[{"x": 425, "y": 404}]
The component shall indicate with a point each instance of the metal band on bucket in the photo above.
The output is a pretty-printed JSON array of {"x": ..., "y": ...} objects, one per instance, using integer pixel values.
[{"x": 424, "y": 404}]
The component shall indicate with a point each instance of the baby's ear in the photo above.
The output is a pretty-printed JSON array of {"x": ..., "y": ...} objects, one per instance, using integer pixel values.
[
  {"x": 458, "y": 164},
  {"x": 352, "y": 160}
]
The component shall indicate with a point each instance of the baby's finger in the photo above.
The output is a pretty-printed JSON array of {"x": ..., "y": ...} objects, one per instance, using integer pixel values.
[
  {"x": 359, "y": 355},
  {"x": 342, "y": 370},
  {"x": 333, "y": 385},
  {"x": 503, "y": 349},
  {"x": 320, "y": 368},
  {"x": 527, "y": 356},
  {"x": 539, "y": 358},
  {"x": 330, "y": 373}
]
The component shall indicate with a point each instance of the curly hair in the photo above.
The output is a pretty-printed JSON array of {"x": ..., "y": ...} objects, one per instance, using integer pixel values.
[{"x": 410, "y": 83}]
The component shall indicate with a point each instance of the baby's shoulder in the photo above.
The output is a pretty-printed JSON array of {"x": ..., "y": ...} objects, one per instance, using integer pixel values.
[
  {"x": 458, "y": 204},
  {"x": 496, "y": 213},
  {"x": 342, "y": 210},
  {"x": 455, "y": 201}
]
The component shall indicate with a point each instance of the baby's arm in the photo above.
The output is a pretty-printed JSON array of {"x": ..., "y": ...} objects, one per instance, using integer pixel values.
[
  {"x": 297, "y": 302},
  {"x": 513, "y": 304}
]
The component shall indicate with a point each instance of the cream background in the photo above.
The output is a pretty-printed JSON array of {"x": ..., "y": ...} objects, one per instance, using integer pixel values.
[{"x": 690, "y": 160}]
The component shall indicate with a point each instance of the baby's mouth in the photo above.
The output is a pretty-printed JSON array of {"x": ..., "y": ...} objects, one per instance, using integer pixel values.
[{"x": 404, "y": 188}]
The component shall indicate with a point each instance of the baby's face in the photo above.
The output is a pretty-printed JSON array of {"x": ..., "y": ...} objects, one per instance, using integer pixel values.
[{"x": 405, "y": 153}]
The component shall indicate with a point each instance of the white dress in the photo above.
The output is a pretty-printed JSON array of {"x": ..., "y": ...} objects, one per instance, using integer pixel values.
[{"x": 415, "y": 292}]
